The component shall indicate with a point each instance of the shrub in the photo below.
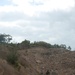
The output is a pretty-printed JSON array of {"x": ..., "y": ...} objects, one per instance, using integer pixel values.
[
  {"x": 12, "y": 57},
  {"x": 25, "y": 44}
]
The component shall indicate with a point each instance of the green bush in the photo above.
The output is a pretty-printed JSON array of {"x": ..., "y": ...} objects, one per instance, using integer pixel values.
[{"x": 12, "y": 57}]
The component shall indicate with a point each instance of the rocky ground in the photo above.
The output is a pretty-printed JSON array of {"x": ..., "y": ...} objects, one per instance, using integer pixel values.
[{"x": 39, "y": 61}]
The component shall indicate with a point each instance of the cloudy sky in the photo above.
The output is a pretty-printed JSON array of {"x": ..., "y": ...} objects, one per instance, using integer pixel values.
[{"x": 52, "y": 21}]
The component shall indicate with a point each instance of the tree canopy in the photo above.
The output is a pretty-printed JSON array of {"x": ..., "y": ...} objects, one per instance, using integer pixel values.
[{"x": 5, "y": 38}]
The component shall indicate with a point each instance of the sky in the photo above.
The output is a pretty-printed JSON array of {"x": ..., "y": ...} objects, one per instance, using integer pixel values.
[{"x": 52, "y": 21}]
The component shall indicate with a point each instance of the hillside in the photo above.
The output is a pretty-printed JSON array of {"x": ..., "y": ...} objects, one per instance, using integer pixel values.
[{"x": 39, "y": 60}]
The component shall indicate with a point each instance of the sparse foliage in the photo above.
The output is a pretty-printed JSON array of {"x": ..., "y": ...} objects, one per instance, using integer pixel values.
[
  {"x": 63, "y": 46},
  {"x": 5, "y": 38},
  {"x": 12, "y": 57},
  {"x": 41, "y": 44},
  {"x": 69, "y": 48},
  {"x": 25, "y": 44}
]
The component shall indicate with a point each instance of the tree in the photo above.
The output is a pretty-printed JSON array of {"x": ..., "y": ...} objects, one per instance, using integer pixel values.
[
  {"x": 63, "y": 46},
  {"x": 56, "y": 46},
  {"x": 25, "y": 44},
  {"x": 5, "y": 38},
  {"x": 69, "y": 48}
]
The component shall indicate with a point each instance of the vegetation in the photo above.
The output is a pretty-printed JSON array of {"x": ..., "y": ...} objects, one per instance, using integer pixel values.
[
  {"x": 69, "y": 48},
  {"x": 41, "y": 44},
  {"x": 43, "y": 50},
  {"x": 25, "y": 44},
  {"x": 48, "y": 45},
  {"x": 5, "y": 38},
  {"x": 12, "y": 57}
]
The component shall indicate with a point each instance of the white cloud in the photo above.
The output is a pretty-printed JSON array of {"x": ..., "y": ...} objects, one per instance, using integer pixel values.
[
  {"x": 47, "y": 5},
  {"x": 7, "y": 24},
  {"x": 8, "y": 8},
  {"x": 24, "y": 6},
  {"x": 45, "y": 20}
]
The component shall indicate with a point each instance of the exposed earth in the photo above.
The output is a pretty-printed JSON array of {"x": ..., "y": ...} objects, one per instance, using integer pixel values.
[{"x": 39, "y": 61}]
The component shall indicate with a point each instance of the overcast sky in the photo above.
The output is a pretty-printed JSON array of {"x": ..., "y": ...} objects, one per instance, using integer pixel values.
[{"x": 52, "y": 21}]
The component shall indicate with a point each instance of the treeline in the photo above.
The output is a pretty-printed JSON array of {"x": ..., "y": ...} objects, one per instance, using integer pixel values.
[
  {"x": 28, "y": 44},
  {"x": 6, "y": 38}
]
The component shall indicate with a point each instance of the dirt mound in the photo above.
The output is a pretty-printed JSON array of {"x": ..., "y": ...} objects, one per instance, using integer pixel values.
[
  {"x": 59, "y": 61},
  {"x": 39, "y": 60}
]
